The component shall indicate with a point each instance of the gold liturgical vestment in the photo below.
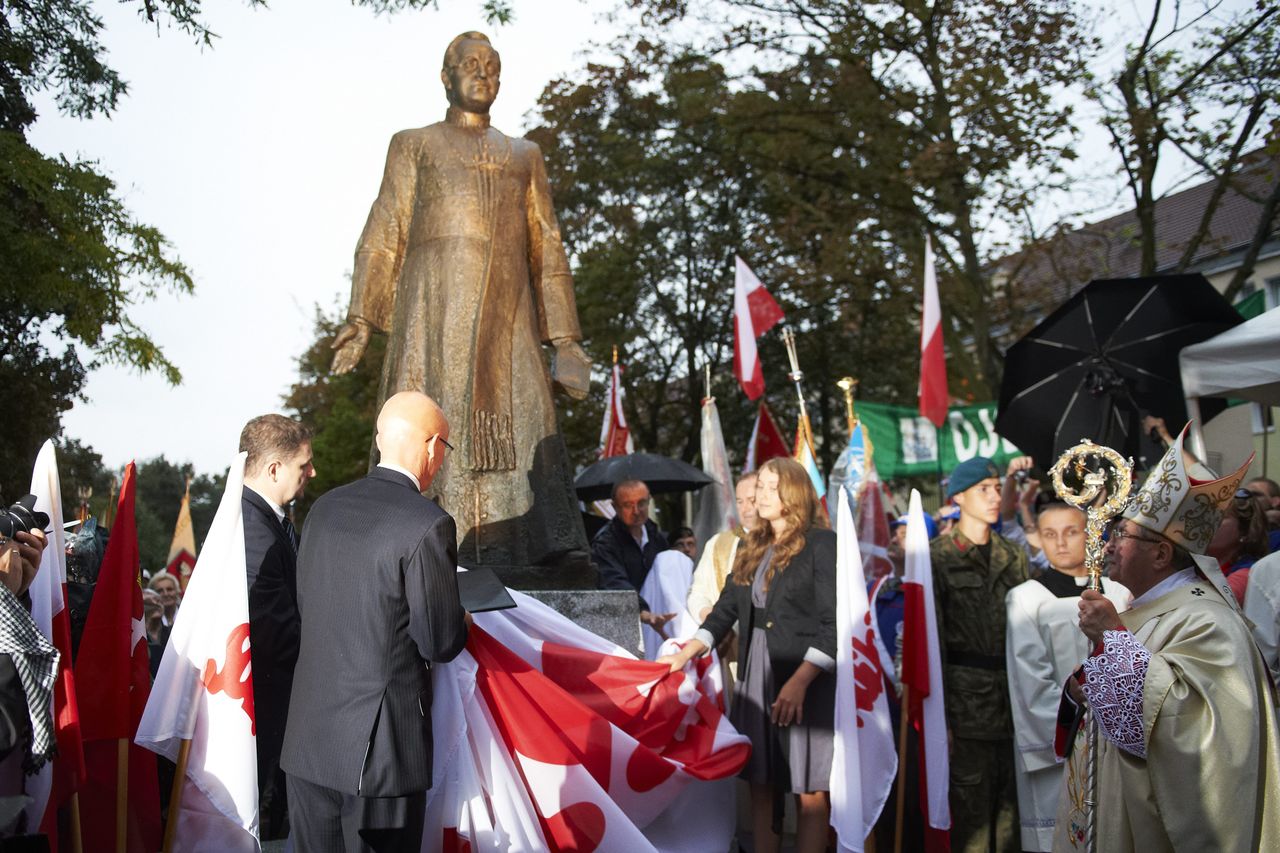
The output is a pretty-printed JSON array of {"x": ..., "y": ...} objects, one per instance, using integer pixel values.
[
  {"x": 1211, "y": 777},
  {"x": 462, "y": 265}
]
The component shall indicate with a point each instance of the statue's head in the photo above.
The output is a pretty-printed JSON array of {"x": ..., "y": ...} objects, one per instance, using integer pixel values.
[{"x": 472, "y": 72}]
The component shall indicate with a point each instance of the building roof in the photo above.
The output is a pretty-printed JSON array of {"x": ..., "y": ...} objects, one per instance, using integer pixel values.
[{"x": 1047, "y": 273}]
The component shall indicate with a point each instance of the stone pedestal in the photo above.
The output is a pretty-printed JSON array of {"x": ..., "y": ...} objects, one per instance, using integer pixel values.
[
  {"x": 569, "y": 588},
  {"x": 610, "y": 613}
]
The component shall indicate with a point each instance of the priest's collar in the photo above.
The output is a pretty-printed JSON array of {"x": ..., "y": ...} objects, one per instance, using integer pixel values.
[{"x": 461, "y": 118}]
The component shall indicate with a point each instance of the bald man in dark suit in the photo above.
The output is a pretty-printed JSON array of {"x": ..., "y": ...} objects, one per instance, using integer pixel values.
[{"x": 378, "y": 595}]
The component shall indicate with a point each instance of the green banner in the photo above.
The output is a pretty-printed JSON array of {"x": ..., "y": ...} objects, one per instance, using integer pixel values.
[{"x": 906, "y": 444}]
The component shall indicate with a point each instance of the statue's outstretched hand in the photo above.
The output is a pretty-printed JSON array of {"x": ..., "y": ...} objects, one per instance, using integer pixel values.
[
  {"x": 349, "y": 345},
  {"x": 571, "y": 369}
]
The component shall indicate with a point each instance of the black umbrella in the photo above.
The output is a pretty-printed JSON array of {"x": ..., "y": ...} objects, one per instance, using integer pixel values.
[
  {"x": 1102, "y": 360},
  {"x": 662, "y": 474}
]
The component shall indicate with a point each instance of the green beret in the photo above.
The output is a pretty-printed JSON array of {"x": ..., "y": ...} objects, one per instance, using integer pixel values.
[{"x": 970, "y": 473}]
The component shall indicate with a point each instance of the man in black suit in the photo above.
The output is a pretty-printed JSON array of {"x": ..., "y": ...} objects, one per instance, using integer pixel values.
[
  {"x": 378, "y": 594},
  {"x": 625, "y": 548},
  {"x": 276, "y": 472}
]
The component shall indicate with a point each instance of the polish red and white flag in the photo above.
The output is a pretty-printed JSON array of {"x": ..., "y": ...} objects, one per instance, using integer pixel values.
[
  {"x": 865, "y": 760},
  {"x": 754, "y": 313},
  {"x": 561, "y": 740},
  {"x": 615, "y": 436},
  {"x": 204, "y": 692},
  {"x": 922, "y": 677},
  {"x": 933, "y": 360},
  {"x": 62, "y": 777}
]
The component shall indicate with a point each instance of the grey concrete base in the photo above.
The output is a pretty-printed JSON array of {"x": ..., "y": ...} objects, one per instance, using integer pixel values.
[{"x": 612, "y": 614}]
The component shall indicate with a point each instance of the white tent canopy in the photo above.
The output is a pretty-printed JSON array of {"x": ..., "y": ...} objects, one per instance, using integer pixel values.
[{"x": 1243, "y": 363}]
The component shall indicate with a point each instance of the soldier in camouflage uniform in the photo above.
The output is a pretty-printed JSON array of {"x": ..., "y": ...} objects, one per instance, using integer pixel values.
[{"x": 973, "y": 569}]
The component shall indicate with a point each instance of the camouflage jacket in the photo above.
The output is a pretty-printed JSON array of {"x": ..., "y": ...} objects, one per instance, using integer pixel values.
[{"x": 969, "y": 594}]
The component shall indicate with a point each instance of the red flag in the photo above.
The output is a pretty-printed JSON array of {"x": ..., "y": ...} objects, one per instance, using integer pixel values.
[
  {"x": 754, "y": 313},
  {"x": 933, "y": 362},
  {"x": 113, "y": 678},
  {"x": 922, "y": 675},
  {"x": 615, "y": 436},
  {"x": 766, "y": 441},
  {"x": 873, "y": 528}
]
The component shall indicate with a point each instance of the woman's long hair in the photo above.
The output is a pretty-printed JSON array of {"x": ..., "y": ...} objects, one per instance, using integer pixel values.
[{"x": 799, "y": 510}]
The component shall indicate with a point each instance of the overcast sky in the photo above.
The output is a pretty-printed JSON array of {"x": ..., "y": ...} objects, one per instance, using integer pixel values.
[{"x": 259, "y": 160}]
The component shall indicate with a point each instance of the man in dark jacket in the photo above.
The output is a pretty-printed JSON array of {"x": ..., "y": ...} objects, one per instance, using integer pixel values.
[
  {"x": 625, "y": 548},
  {"x": 378, "y": 596},
  {"x": 276, "y": 472}
]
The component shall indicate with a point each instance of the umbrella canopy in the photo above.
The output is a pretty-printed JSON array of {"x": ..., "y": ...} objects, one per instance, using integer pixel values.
[
  {"x": 661, "y": 473},
  {"x": 1106, "y": 357},
  {"x": 1242, "y": 363}
]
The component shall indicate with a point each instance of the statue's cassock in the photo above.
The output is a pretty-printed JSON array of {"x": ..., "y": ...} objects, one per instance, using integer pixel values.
[{"x": 461, "y": 263}]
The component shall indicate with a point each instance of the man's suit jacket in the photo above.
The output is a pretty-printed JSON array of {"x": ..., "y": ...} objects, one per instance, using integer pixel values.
[
  {"x": 619, "y": 559},
  {"x": 274, "y": 627},
  {"x": 378, "y": 595},
  {"x": 799, "y": 614}
]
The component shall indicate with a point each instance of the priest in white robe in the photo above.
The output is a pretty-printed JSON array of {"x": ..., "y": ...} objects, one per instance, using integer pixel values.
[
  {"x": 1189, "y": 746},
  {"x": 1043, "y": 645}
]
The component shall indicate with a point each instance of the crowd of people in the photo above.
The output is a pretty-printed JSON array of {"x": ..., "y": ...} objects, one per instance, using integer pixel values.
[
  {"x": 1017, "y": 625},
  {"x": 1182, "y": 686}
]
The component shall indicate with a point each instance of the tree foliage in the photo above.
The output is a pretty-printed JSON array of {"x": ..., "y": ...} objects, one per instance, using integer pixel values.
[
  {"x": 1202, "y": 87},
  {"x": 340, "y": 409}
]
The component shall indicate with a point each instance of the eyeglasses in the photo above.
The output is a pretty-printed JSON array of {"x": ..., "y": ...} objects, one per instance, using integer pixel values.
[
  {"x": 634, "y": 505},
  {"x": 443, "y": 440},
  {"x": 1119, "y": 534}
]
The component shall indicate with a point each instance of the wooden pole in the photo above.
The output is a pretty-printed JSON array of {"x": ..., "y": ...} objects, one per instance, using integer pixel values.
[
  {"x": 902, "y": 767},
  {"x": 122, "y": 794},
  {"x": 175, "y": 798},
  {"x": 76, "y": 844}
]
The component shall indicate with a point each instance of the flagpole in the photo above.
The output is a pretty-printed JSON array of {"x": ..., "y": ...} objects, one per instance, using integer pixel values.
[
  {"x": 122, "y": 794},
  {"x": 175, "y": 797},
  {"x": 903, "y": 707},
  {"x": 76, "y": 844},
  {"x": 796, "y": 375},
  {"x": 849, "y": 386}
]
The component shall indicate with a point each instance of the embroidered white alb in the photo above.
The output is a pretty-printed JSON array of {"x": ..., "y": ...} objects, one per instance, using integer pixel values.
[{"x": 1113, "y": 684}]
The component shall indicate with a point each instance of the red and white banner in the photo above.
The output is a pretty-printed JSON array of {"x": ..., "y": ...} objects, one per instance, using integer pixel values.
[
  {"x": 754, "y": 313},
  {"x": 62, "y": 777},
  {"x": 615, "y": 436},
  {"x": 865, "y": 760},
  {"x": 766, "y": 440},
  {"x": 873, "y": 526},
  {"x": 204, "y": 692},
  {"x": 552, "y": 738},
  {"x": 933, "y": 361},
  {"x": 922, "y": 674}
]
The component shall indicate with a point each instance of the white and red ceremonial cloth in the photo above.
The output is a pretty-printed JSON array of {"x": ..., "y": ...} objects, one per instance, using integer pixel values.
[
  {"x": 60, "y": 778},
  {"x": 922, "y": 675},
  {"x": 551, "y": 738},
  {"x": 204, "y": 692},
  {"x": 865, "y": 760},
  {"x": 754, "y": 313},
  {"x": 933, "y": 363}
]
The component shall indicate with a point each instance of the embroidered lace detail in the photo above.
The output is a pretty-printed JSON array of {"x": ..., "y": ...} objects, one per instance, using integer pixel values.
[{"x": 1113, "y": 682}]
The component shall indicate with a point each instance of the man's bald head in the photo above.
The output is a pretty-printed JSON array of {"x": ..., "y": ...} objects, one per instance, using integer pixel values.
[{"x": 412, "y": 430}]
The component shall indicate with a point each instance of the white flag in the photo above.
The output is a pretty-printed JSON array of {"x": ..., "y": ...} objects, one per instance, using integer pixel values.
[
  {"x": 717, "y": 508},
  {"x": 204, "y": 692},
  {"x": 865, "y": 762}
]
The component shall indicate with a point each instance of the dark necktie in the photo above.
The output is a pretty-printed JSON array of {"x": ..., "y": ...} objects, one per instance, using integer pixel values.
[{"x": 290, "y": 532}]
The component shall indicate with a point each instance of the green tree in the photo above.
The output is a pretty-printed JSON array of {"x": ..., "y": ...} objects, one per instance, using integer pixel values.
[
  {"x": 340, "y": 409},
  {"x": 965, "y": 90}
]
